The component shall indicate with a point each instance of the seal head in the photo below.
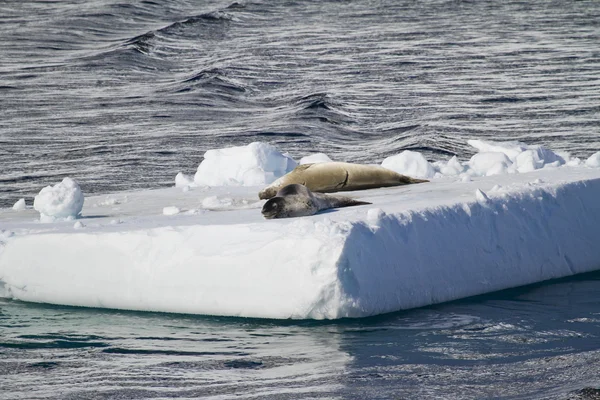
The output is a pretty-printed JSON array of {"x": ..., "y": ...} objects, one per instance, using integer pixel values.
[
  {"x": 297, "y": 200},
  {"x": 275, "y": 208}
]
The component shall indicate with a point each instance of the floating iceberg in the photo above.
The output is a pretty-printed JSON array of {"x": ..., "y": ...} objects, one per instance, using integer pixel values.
[{"x": 415, "y": 245}]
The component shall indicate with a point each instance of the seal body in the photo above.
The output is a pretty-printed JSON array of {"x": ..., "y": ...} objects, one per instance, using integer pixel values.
[
  {"x": 338, "y": 176},
  {"x": 297, "y": 200}
]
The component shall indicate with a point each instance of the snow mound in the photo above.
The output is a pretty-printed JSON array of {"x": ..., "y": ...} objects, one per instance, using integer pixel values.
[
  {"x": 19, "y": 205},
  {"x": 182, "y": 180},
  {"x": 315, "y": 158},
  {"x": 171, "y": 210},
  {"x": 61, "y": 201},
  {"x": 525, "y": 157},
  {"x": 252, "y": 165},
  {"x": 452, "y": 167},
  {"x": 410, "y": 163},
  {"x": 489, "y": 163},
  {"x": 594, "y": 160}
]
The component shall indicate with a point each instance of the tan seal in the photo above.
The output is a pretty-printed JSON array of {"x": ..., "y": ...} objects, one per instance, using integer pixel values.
[
  {"x": 337, "y": 177},
  {"x": 298, "y": 201}
]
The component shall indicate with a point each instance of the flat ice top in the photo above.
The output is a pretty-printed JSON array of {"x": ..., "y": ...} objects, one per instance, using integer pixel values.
[
  {"x": 226, "y": 205},
  {"x": 210, "y": 251}
]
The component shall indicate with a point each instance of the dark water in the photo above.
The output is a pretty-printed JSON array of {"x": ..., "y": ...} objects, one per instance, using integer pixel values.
[
  {"x": 541, "y": 341},
  {"x": 121, "y": 94}
]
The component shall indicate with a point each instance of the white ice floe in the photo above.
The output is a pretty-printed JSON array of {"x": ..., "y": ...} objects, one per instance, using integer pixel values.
[
  {"x": 461, "y": 234},
  {"x": 255, "y": 164},
  {"x": 61, "y": 201},
  {"x": 315, "y": 158}
]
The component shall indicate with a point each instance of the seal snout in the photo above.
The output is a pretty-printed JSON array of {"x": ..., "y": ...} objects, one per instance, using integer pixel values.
[{"x": 271, "y": 208}]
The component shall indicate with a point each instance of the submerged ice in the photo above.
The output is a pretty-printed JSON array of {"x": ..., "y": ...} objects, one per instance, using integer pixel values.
[{"x": 511, "y": 215}]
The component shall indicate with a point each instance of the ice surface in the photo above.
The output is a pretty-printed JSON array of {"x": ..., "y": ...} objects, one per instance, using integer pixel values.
[
  {"x": 63, "y": 200},
  {"x": 457, "y": 236},
  {"x": 255, "y": 164}
]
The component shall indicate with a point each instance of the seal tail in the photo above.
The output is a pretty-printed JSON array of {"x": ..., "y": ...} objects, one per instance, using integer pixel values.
[
  {"x": 357, "y": 203},
  {"x": 336, "y": 202},
  {"x": 407, "y": 180}
]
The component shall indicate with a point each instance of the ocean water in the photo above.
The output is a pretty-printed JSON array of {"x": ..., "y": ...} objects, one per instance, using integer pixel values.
[{"x": 122, "y": 95}]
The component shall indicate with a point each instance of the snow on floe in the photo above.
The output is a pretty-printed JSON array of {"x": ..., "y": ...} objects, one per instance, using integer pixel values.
[
  {"x": 410, "y": 163},
  {"x": 468, "y": 231},
  {"x": 594, "y": 160},
  {"x": 19, "y": 205},
  {"x": 521, "y": 157},
  {"x": 61, "y": 201},
  {"x": 182, "y": 180},
  {"x": 171, "y": 210},
  {"x": 255, "y": 164}
]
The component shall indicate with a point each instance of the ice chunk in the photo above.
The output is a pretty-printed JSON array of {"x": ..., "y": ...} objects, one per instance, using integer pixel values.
[
  {"x": 594, "y": 160},
  {"x": 19, "y": 205},
  {"x": 61, "y": 201},
  {"x": 182, "y": 180},
  {"x": 526, "y": 157},
  {"x": 171, "y": 210},
  {"x": 252, "y": 165},
  {"x": 489, "y": 163},
  {"x": 410, "y": 163}
]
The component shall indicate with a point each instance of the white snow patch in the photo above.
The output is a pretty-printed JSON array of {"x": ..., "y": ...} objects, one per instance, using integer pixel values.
[
  {"x": 525, "y": 157},
  {"x": 489, "y": 163},
  {"x": 451, "y": 168},
  {"x": 594, "y": 160},
  {"x": 61, "y": 201},
  {"x": 410, "y": 163},
  {"x": 315, "y": 158},
  {"x": 171, "y": 210},
  {"x": 220, "y": 203},
  {"x": 481, "y": 197},
  {"x": 19, "y": 205},
  {"x": 255, "y": 164},
  {"x": 183, "y": 181}
]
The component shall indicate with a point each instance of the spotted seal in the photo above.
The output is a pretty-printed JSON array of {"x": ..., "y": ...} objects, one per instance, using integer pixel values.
[
  {"x": 297, "y": 200},
  {"x": 338, "y": 176}
]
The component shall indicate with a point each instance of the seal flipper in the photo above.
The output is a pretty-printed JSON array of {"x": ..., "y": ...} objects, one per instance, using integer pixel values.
[
  {"x": 337, "y": 201},
  {"x": 407, "y": 180}
]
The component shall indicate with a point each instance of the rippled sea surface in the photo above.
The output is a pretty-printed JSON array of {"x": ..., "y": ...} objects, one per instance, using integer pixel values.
[{"x": 122, "y": 95}]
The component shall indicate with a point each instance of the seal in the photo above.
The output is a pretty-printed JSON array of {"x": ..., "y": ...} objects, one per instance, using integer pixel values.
[
  {"x": 297, "y": 200},
  {"x": 337, "y": 177}
]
